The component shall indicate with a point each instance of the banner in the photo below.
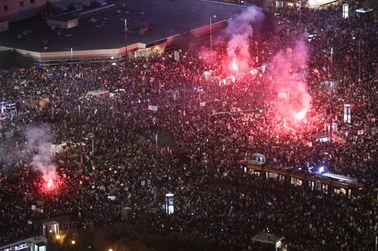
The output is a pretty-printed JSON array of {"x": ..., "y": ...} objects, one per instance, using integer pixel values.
[
  {"x": 153, "y": 108},
  {"x": 347, "y": 113}
]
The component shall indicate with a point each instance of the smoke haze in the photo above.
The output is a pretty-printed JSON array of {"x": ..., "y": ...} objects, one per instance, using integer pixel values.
[
  {"x": 289, "y": 74},
  {"x": 239, "y": 30},
  {"x": 39, "y": 140}
]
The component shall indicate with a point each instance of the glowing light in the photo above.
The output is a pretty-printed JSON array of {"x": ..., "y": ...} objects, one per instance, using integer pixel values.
[
  {"x": 57, "y": 236},
  {"x": 301, "y": 115},
  {"x": 234, "y": 65},
  {"x": 321, "y": 169},
  {"x": 73, "y": 242},
  {"x": 49, "y": 184},
  {"x": 253, "y": 72}
]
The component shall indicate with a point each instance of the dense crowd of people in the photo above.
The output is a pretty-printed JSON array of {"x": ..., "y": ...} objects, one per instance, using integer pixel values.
[{"x": 157, "y": 133}]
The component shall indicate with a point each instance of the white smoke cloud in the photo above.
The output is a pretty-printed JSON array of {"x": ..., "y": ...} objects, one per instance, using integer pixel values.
[
  {"x": 39, "y": 140},
  {"x": 239, "y": 31}
]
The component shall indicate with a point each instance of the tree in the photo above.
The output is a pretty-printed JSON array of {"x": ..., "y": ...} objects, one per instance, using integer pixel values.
[{"x": 14, "y": 59}]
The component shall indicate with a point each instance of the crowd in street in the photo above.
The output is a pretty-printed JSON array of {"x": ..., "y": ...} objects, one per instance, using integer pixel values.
[{"x": 157, "y": 133}]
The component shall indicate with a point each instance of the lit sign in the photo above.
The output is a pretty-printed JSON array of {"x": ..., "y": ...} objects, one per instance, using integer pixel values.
[
  {"x": 21, "y": 246},
  {"x": 18, "y": 247}
]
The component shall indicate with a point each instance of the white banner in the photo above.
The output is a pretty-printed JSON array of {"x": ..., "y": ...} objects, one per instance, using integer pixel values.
[{"x": 153, "y": 108}]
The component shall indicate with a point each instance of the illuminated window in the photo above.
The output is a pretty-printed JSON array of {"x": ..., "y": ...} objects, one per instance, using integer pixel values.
[
  {"x": 318, "y": 186},
  {"x": 340, "y": 190},
  {"x": 345, "y": 10},
  {"x": 293, "y": 181},
  {"x": 325, "y": 188}
]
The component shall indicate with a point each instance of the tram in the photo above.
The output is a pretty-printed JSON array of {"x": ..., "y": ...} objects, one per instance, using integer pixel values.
[{"x": 327, "y": 183}]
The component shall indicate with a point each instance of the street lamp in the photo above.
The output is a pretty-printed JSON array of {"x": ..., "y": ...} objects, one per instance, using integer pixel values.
[
  {"x": 126, "y": 39},
  {"x": 205, "y": 105},
  {"x": 81, "y": 137},
  {"x": 211, "y": 35},
  {"x": 359, "y": 56},
  {"x": 330, "y": 128},
  {"x": 359, "y": 60},
  {"x": 331, "y": 51}
]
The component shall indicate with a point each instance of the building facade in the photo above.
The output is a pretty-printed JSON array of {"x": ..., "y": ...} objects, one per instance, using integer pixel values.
[{"x": 14, "y": 10}]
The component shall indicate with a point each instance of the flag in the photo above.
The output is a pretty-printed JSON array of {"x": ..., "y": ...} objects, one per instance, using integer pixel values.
[{"x": 177, "y": 56}]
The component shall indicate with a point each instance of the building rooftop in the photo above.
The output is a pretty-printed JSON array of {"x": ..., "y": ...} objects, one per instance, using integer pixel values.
[
  {"x": 65, "y": 17},
  {"x": 105, "y": 29}
]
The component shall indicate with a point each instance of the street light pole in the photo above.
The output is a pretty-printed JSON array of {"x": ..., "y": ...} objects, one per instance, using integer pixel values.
[
  {"x": 126, "y": 39},
  {"x": 81, "y": 138},
  {"x": 71, "y": 55},
  {"x": 330, "y": 128},
  {"x": 331, "y": 59},
  {"x": 211, "y": 42},
  {"x": 211, "y": 33},
  {"x": 206, "y": 115},
  {"x": 359, "y": 59},
  {"x": 207, "y": 119}
]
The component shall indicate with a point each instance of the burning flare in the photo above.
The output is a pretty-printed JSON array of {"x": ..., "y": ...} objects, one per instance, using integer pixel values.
[
  {"x": 49, "y": 184},
  {"x": 301, "y": 114},
  {"x": 234, "y": 65}
]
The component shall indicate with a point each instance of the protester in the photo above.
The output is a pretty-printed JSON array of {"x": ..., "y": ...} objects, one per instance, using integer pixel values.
[{"x": 161, "y": 99}]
